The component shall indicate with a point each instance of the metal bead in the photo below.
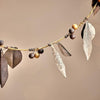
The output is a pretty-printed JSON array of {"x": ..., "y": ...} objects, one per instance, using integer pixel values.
[
  {"x": 31, "y": 55},
  {"x": 75, "y": 26},
  {"x": 85, "y": 19},
  {"x": 72, "y": 36},
  {"x": 32, "y": 49},
  {"x": 66, "y": 35},
  {"x": 36, "y": 55},
  {"x": 49, "y": 44},
  {"x": 6, "y": 47},
  {"x": 1, "y": 42},
  {"x": 40, "y": 51},
  {"x": 71, "y": 30}
]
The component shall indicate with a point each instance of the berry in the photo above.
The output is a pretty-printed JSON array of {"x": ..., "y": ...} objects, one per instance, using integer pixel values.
[
  {"x": 71, "y": 30},
  {"x": 40, "y": 51},
  {"x": 36, "y": 55},
  {"x": 72, "y": 36},
  {"x": 75, "y": 26},
  {"x": 31, "y": 55}
]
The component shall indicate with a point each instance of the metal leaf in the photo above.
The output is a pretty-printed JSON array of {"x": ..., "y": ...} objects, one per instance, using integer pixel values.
[
  {"x": 14, "y": 57},
  {"x": 63, "y": 50},
  {"x": 3, "y": 70},
  {"x": 88, "y": 35},
  {"x": 59, "y": 61}
]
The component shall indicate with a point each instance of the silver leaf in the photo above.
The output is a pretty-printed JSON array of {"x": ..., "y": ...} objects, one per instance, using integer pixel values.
[
  {"x": 88, "y": 35},
  {"x": 59, "y": 61}
]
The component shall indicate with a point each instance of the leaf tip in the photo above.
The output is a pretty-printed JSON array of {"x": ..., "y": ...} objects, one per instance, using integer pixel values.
[
  {"x": 65, "y": 76},
  {"x": 87, "y": 58}
]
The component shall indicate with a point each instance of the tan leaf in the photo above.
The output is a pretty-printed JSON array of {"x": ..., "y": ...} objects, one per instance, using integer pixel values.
[
  {"x": 3, "y": 70},
  {"x": 14, "y": 57}
]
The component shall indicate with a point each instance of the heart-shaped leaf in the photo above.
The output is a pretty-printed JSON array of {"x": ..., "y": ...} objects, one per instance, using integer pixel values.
[
  {"x": 14, "y": 57},
  {"x": 3, "y": 70}
]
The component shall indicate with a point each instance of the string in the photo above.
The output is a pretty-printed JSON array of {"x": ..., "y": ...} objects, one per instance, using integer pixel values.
[{"x": 56, "y": 41}]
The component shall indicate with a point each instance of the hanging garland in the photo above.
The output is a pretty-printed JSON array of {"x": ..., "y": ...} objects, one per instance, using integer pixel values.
[{"x": 13, "y": 55}]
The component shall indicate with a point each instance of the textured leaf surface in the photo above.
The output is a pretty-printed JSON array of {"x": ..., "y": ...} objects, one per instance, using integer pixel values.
[
  {"x": 59, "y": 61},
  {"x": 14, "y": 57},
  {"x": 88, "y": 35}
]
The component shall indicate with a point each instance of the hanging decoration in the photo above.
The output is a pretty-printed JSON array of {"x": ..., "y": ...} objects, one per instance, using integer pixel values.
[
  {"x": 3, "y": 69},
  {"x": 13, "y": 55},
  {"x": 59, "y": 61},
  {"x": 88, "y": 33},
  {"x": 63, "y": 50}
]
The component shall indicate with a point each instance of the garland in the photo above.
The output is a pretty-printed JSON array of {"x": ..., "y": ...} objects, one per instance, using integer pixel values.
[{"x": 13, "y": 55}]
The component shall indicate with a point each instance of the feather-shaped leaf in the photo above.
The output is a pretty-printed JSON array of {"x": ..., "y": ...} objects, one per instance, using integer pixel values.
[
  {"x": 88, "y": 35},
  {"x": 59, "y": 61},
  {"x": 63, "y": 50},
  {"x": 14, "y": 57},
  {"x": 3, "y": 70}
]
